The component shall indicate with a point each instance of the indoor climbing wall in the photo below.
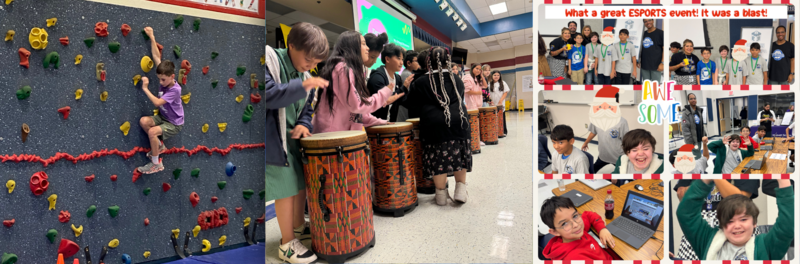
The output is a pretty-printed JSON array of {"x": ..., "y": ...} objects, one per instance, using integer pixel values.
[{"x": 67, "y": 121}]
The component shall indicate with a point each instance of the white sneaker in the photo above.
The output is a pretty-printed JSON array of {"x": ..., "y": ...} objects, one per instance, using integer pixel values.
[
  {"x": 295, "y": 252},
  {"x": 460, "y": 195},
  {"x": 441, "y": 197},
  {"x": 303, "y": 232}
]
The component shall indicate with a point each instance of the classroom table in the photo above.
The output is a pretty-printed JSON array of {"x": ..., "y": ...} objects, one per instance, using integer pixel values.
[
  {"x": 652, "y": 249},
  {"x": 772, "y": 166}
]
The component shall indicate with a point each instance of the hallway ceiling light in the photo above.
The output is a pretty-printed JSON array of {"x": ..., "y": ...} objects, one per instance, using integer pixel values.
[{"x": 498, "y": 8}]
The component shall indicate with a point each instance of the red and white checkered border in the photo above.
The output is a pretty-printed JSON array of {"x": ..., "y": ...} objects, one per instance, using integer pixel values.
[
  {"x": 676, "y": 2},
  {"x": 665, "y": 176},
  {"x": 550, "y": 87},
  {"x": 600, "y": 176},
  {"x": 667, "y": 261}
]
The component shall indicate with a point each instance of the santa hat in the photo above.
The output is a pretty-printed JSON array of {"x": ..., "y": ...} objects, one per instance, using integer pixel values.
[
  {"x": 686, "y": 150},
  {"x": 740, "y": 42},
  {"x": 607, "y": 94}
]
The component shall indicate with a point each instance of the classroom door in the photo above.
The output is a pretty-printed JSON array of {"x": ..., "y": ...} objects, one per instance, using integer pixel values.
[{"x": 725, "y": 116}]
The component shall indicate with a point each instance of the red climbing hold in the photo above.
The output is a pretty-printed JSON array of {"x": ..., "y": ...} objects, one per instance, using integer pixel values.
[
  {"x": 136, "y": 174},
  {"x": 160, "y": 48},
  {"x": 205, "y": 70},
  {"x": 187, "y": 66},
  {"x": 238, "y": 210},
  {"x": 146, "y": 222},
  {"x": 9, "y": 223},
  {"x": 67, "y": 248},
  {"x": 101, "y": 29},
  {"x": 24, "y": 54},
  {"x": 212, "y": 218},
  {"x": 39, "y": 183},
  {"x": 103, "y": 76},
  {"x": 64, "y": 111},
  {"x": 231, "y": 83},
  {"x": 64, "y": 41},
  {"x": 194, "y": 198},
  {"x": 262, "y": 219},
  {"x": 214, "y": 199},
  {"x": 89, "y": 178},
  {"x": 255, "y": 98},
  {"x": 114, "y": 177},
  {"x": 183, "y": 80},
  {"x": 64, "y": 216},
  {"x": 125, "y": 29},
  {"x": 165, "y": 186}
]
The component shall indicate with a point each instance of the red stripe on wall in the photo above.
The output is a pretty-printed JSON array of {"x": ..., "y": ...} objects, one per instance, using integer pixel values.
[
  {"x": 421, "y": 23},
  {"x": 261, "y": 8},
  {"x": 510, "y": 62}
]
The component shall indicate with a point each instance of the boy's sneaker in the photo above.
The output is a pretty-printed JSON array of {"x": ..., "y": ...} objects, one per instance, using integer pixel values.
[
  {"x": 460, "y": 194},
  {"x": 161, "y": 149},
  {"x": 295, "y": 252},
  {"x": 151, "y": 168},
  {"x": 303, "y": 232}
]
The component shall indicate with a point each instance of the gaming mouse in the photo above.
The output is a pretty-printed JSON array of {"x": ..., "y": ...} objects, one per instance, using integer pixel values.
[{"x": 639, "y": 187}]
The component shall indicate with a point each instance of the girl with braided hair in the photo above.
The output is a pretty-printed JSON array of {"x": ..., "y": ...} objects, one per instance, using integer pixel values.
[{"x": 444, "y": 127}]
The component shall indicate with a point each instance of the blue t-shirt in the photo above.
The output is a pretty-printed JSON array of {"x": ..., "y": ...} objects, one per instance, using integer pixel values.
[
  {"x": 576, "y": 55},
  {"x": 706, "y": 71}
]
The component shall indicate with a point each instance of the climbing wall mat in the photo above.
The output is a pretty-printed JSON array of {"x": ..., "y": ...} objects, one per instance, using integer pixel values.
[
  {"x": 89, "y": 138},
  {"x": 246, "y": 255}
]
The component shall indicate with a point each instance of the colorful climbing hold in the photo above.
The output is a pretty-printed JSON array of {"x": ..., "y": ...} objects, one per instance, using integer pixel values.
[
  {"x": 187, "y": 66},
  {"x": 8, "y": 2},
  {"x": 11, "y": 184},
  {"x": 196, "y": 24},
  {"x": 248, "y": 113},
  {"x": 253, "y": 81},
  {"x": 214, "y": 199},
  {"x": 125, "y": 127},
  {"x": 240, "y": 70},
  {"x": 177, "y": 173},
  {"x": 196, "y": 172},
  {"x": 78, "y": 230},
  {"x": 10, "y": 35},
  {"x": 146, "y": 191},
  {"x": 104, "y": 97},
  {"x": 114, "y": 243},
  {"x": 126, "y": 259},
  {"x": 221, "y": 184},
  {"x": 160, "y": 50},
  {"x": 100, "y": 71},
  {"x": 9, "y": 223},
  {"x": 263, "y": 60},
  {"x": 239, "y": 98},
  {"x": 64, "y": 111},
  {"x": 178, "y": 21},
  {"x": 182, "y": 76},
  {"x": 146, "y": 221},
  {"x": 64, "y": 41},
  {"x": 186, "y": 97},
  {"x": 52, "y": 199},
  {"x": 51, "y": 22},
  {"x": 214, "y": 55},
  {"x": 214, "y": 83},
  {"x": 230, "y": 168},
  {"x": 262, "y": 85},
  {"x": 247, "y": 222},
  {"x": 146, "y": 254},
  {"x": 114, "y": 178},
  {"x": 144, "y": 34},
  {"x": 113, "y": 211},
  {"x": 125, "y": 29},
  {"x": 261, "y": 194},
  {"x": 205, "y": 70},
  {"x": 206, "y": 245},
  {"x": 146, "y": 64},
  {"x": 25, "y": 131},
  {"x": 222, "y": 127},
  {"x": 89, "y": 42},
  {"x": 231, "y": 83},
  {"x": 247, "y": 194},
  {"x": 196, "y": 230},
  {"x": 89, "y": 178},
  {"x": 194, "y": 198},
  {"x": 68, "y": 248},
  {"x": 90, "y": 211},
  {"x": 113, "y": 46},
  {"x": 24, "y": 92},
  {"x": 101, "y": 29},
  {"x": 255, "y": 98},
  {"x": 238, "y": 210},
  {"x": 176, "y": 232},
  {"x": 24, "y": 55},
  {"x": 52, "y": 58},
  {"x": 205, "y": 128},
  {"x": 78, "y": 59},
  {"x": 262, "y": 219},
  {"x": 136, "y": 79},
  {"x": 177, "y": 50},
  {"x": 51, "y": 235},
  {"x": 165, "y": 187},
  {"x": 8, "y": 258},
  {"x": 78, "y": 94},
  {"x": 38, "y": 38},
  {"x": 155, "y": 112},
  {"x": 63, "y": 216},
  {"x": 222, "y": 240}
]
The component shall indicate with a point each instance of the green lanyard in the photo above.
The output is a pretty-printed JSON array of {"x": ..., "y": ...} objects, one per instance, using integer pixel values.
[
  {"x": 735, "y": 70},
  {"x": 578, "y": 50},
  {"x": 604, "y": 52},
  {"x": 708, "y": 68},
  {"x": 723, "y": 64},
  {"x": 622, "y": 50},
  {"x": 751, "y": 64},
  {"x": 593, "y": 45}
]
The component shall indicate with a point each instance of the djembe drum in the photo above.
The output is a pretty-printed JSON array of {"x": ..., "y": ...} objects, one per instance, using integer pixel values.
[
  {"x": 489, "y": 125},
  {"x": 424, "y": 184},
  {"x": 500, "y": 120},
  {"x": 475, "y": 131},
  {"x": 392, "y": 160}
]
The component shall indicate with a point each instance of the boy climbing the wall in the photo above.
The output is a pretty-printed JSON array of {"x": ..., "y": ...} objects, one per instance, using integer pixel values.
[{"x": 169, "y": 120}]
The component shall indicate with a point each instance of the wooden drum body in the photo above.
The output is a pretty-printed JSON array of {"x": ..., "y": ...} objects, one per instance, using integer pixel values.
[
  {"x": 337, "y": 175},
  {"x": 424, "y": 184},
  {"x": 500, "y": 120},
  {"x": 475, "y": 131},
  {"x": 392, "y": 160},
  {"x": 488, "y": 125}
]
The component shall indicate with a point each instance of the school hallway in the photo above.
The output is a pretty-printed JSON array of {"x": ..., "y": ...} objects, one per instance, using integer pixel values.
[{"x": 494, "y": 226}]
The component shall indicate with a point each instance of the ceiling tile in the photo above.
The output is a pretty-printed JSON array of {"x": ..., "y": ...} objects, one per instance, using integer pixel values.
[
  {"x": 476, "y": 41},
  {"x": 507, "y": 45},
  {"x": 529, "y": 31},
  {"x": 270, "y": 16},
  {"x": 528, "y": 3},
  {"x": 515, "y": 33},
  {"x": 503, "y": 35},
  {"x": 516, "y": 11},
  {"x": 519, "y": 43},
  {"x": 488, "y": 38},
  {"x": 477, "y": 4},
  {"x": 518, "y": 38},
  {"x": 277, "y": 8},
  {"x": 501, "y": 15},
  {"x": 482, "y": 12},
  {"x": 492, "y": 43},
  {"x": 485, "y": 19},
  {"x": 286, "y": 20},
  {"x": 495, "y": 48},
  {"x": 515, "y": 4},
  {"x": 528, "y": 9}
]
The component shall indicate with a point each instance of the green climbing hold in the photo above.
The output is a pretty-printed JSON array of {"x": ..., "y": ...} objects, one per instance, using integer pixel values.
[
  {"x": 90, "y": 211},
  {"x": 90, "y": 41},
  {"x": 52, "y": 234},
  {"x": 178, "y": 21},
  {"x": 145, "y": 35},
  {"x": 262, "y": 193},
  {"x": 262, "y": 85},
  {"x": 9, "y": 258},
  {"x": 51, "y": 58},
  {"x": 146, "y": 191},
  {"x": 248, "y": 113},
  {"x": 240, "y": 70},
  {"x": 214, "y": 55},
  {"x": 221, "y": 184},
  {"x": 24, "y": 92},
  {"x": 177, "y": 51},
  {"x": 196, "y": 24},
  {"x": 196, "y": 172},
  {"x": 113, "y": 211},
  {"x": 177, "y": 173},
  {"x": 214, "y": 83},
  {"x": 247, "y": 194},
  {"x": 113, "y": 46}
]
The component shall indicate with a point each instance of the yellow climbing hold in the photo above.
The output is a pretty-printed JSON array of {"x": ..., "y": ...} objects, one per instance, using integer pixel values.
[
  {"x": 52, "y": 199},
  {"x": 10, "y": 184},
  {"x": 78, "y": 59},
  {"x": 104, "y": 96},
  {"x": 113, "y": 243},
  {"x": 196, "y": 230},
  {"x": 10, "y": 35},
  {"x": 155, "y": 112},
  {"x": 206, "y": 245},
  {"x": 146, "y": 254},
  {"x": 78, "y": 231},
  {"x": 125, "y": 127},
  {"x": 8, "y": 2},
  {"x": 52, "y": 22},
  {"x": 186, "y": 98},
  {"x": 146, "y": 63},
  {"x": 78, "y": 94},
  {"x": 176, "y": 232},
  {"x": 247, "y": 222},
  {"x": 205, "y": 128},
  {"x": 136, "y": 79},
  {"x": 263, "y": 60},
  {"x": 222, "y": 126},
  {"x": 222, "y": 240},
  {"x": 239, "y": 98},
  {"x": 38, "y": 38}
]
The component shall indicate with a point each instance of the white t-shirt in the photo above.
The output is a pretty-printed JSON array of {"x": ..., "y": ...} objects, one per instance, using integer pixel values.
[{"x": 496, "y": 94}]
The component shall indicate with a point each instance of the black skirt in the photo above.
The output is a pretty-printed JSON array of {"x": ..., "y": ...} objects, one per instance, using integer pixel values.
[{"x": 447, "y": 157}]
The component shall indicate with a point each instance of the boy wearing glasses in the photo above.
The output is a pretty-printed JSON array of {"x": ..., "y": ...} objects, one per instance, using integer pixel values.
[{"x": 572, "y": 240}]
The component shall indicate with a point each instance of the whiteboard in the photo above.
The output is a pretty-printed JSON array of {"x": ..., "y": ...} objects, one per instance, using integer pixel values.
[
  {"x": 554, "y": 26},
  {"x": 583, "y": 97},
  {"x": 682, "y": 29},
  {"x": 635, "y": 31}
]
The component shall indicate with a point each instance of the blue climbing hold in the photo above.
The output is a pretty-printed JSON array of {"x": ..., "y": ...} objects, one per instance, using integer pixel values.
[
  {"x": 126, "y": 258},
  {"x": 229, "y": 168}
]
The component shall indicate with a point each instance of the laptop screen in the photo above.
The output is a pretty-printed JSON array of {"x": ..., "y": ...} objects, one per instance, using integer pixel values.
[{"x": 643, "y": 209}]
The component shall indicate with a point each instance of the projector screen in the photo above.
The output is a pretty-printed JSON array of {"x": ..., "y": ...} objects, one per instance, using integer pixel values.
[
  {"x": 374, "y": 16},
  {"x": 682, "y": 29}
]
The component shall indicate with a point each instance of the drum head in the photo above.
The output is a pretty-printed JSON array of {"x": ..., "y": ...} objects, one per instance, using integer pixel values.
[
  {"x": 333, "y": 139},
  {"x": 488, "y": 108},
  {"x": 473, "y": 112},
  {"x": 414, "y": 121},
  {"x": 398, "y": 127}
]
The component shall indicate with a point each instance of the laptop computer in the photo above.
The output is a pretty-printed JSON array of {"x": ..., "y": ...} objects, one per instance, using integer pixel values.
[
  {"x": 640, "y": 218},
  {"x": 596, "y": 184},
  {"x": 578, "y": 198},
  {"x": 765, "y": 147}
]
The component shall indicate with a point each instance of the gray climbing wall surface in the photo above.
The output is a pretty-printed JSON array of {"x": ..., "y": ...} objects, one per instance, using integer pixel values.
[{"x": 94, "y": 125}]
